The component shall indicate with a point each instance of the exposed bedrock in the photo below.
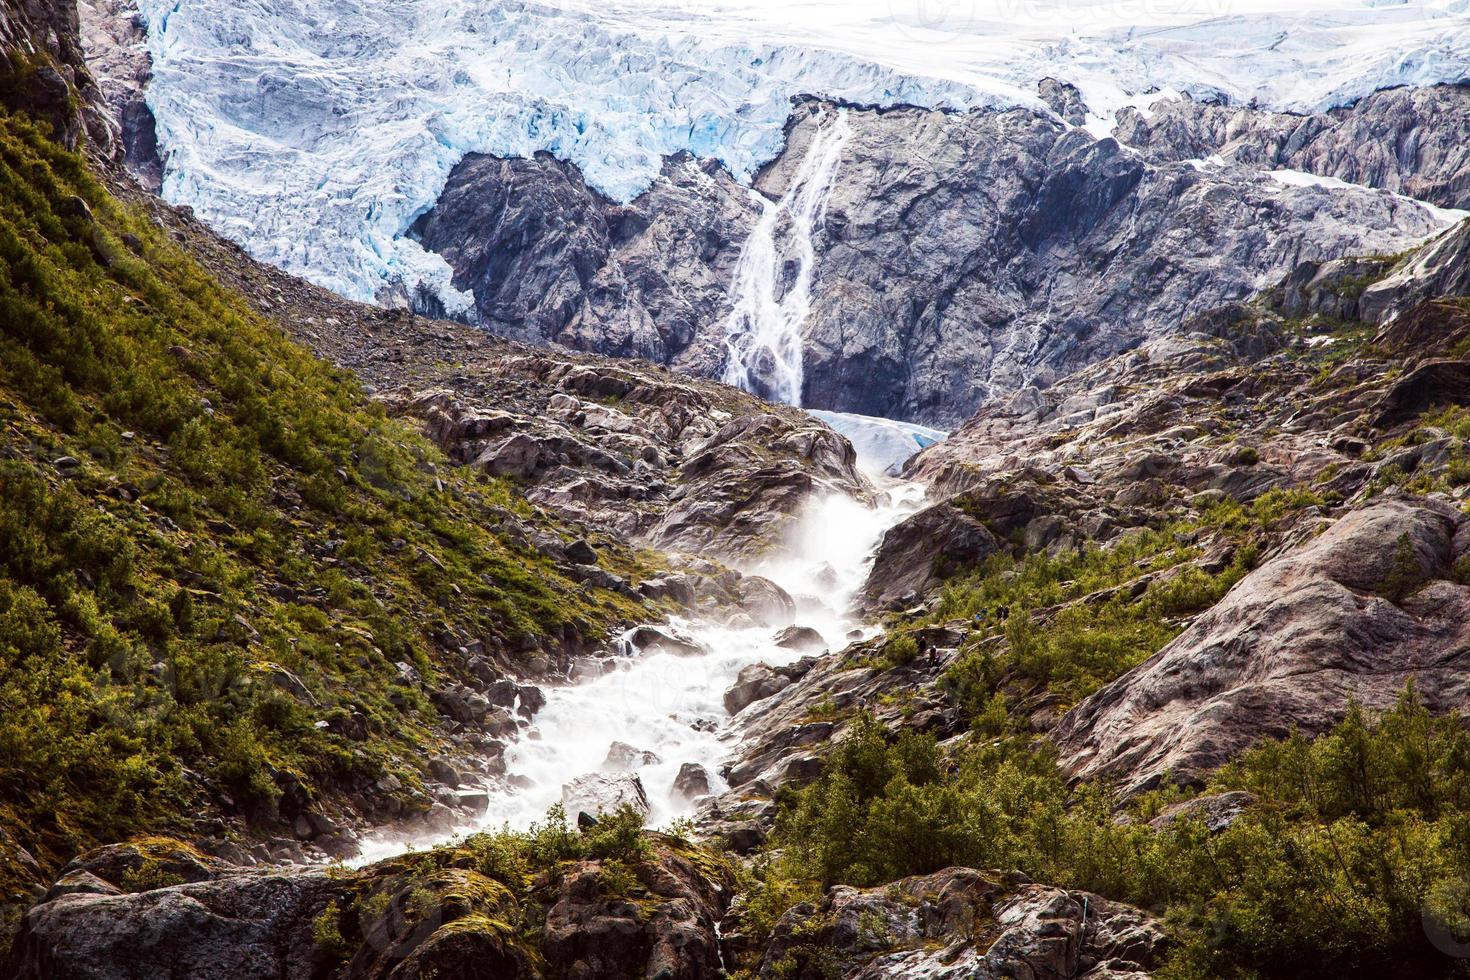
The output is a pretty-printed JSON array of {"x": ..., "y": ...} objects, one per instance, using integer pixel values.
[{"x": 1407, "y": 140}]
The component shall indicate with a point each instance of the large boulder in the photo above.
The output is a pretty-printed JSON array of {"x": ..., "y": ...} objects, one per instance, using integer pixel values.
[
  {"x": 1436, "y": 384},
  {"x": 648, "y": 640},
  {"x": 958, "y": 924},
  {"x": 1356, "y": 612},
  {"x": 766, "y": 602},
  {"x": 752, "y": 684},
  {"x": 923, "y": 550},
  {"x": 599, "y": 793}
]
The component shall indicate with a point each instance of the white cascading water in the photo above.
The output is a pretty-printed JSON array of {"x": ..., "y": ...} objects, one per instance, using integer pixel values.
[
  {"x": 673, "y": 706},
  {"x": 763, "y": 340}
]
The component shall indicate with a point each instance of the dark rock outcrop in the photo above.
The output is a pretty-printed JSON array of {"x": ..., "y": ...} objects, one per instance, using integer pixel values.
[
  {"x": 1400, "y": 139},
  {"x": 921, "y": 551},
  {"x": 948, "y": 245}
]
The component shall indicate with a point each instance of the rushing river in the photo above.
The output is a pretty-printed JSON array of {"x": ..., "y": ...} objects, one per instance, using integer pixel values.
[{"x": 672, "y": 705}]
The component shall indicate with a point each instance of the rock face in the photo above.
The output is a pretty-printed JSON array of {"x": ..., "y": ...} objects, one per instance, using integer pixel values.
[
  {"x": 948, "y": 243},
  {"x": 1354, "y": 613},
  {"x": 115, "y": 43},
  {"x": 45, "y": 75},
  {"x": 551, "y": 258},
  {"x": 1441, "y": 269},
  {"x": 1400, "y": 139},
  {"x": 958, "y": 924}
]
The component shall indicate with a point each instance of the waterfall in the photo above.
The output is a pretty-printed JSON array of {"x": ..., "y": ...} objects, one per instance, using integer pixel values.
[{"x": 763, "y": 334}]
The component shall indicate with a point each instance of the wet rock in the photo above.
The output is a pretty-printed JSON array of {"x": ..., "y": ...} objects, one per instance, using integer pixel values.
[
  {"x": 475, "y": 800},
  {"x": 753, "y": 683},
  {"x": 648, "y": 640},
  {"x": 921, "y": 551},
  {"x": 600, "y": 793},
  {"x": 622, "y": 757},
  {"x": 802, "y": 638},
  {"x": 692, "y": 782},
  {"x": 766, "y": 602},
  {"x": 675, "y": 588}
]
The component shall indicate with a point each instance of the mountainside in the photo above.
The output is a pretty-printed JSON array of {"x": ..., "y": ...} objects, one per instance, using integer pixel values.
[
  {"x": 952, "y": 256},
  {"x": 242, "y": 602},
  {"x": 342, "y": 641}
]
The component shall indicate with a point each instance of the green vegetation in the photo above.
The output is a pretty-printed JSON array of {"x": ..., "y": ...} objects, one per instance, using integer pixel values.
[
  {"x": 1356, "y": 840},
  {"x": 216, "y": 549},
  {"x": 1067, "y": 624}
]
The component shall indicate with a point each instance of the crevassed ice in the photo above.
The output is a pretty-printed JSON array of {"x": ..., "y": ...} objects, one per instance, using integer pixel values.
[{"x": 315, "y": 131}]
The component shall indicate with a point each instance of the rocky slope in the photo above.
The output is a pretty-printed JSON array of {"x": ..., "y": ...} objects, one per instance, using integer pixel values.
[
  {"x": 1398, "y": 139},
  {"x": 1306, "y": 471}
]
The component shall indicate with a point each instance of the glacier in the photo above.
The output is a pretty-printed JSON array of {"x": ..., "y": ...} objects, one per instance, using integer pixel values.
[{"x": 315, "y": 133}]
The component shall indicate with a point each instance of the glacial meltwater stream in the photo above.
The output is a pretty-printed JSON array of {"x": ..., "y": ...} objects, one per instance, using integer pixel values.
[
  {"x": 672, "y": 705},
  {"x": 666, "y": 709}
]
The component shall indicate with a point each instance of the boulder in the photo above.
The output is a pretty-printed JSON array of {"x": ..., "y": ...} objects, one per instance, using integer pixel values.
[
  {"x": 801, "y": 638},
  {"x": 647, "y": 640},
  {"x": 923, "y": 550},
  {"x": 622, "y": 757},
  {"x": 1216, "y": 811},
  {"x": 601, "y": 793},
  {"x": 958, "y": 924},
  {"x": 692, "y": 782},
  {"x": 1436, "y": 384},
  {"x": 515, "y": 456},
  {"x": 766, "y": 602},
  {"x": 670, "y": 933},
  {"x": 753, "y": 683}
]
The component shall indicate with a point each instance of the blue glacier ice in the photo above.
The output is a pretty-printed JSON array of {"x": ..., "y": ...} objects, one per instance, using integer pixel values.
[{"x": 314, "y": 132}]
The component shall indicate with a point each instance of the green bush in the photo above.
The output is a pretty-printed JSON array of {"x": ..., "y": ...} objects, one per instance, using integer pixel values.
[{"x": 192, "y": 508}]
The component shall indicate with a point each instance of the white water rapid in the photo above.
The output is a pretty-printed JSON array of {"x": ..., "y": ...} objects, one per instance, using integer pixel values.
[
  {"x": 672, "y": 705},
  {"x": 763, "y": 334}
]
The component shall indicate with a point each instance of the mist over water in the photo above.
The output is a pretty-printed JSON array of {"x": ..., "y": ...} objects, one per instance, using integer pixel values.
[{"x": 673, "y": 705}]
